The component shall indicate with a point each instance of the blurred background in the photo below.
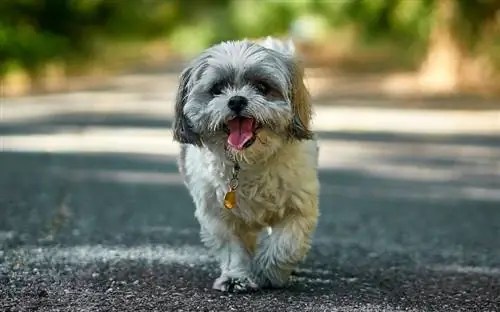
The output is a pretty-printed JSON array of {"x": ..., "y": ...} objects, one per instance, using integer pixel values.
[
  {"x": 407, "y": 111},
  {"x": 439, "y": 45}
]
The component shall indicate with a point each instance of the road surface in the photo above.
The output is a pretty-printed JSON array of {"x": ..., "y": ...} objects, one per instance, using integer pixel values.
[{"x": 93, "y": 216}]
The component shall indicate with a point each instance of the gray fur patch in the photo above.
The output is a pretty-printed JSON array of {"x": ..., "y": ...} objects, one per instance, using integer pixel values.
[{"x": 181, "y": 162}]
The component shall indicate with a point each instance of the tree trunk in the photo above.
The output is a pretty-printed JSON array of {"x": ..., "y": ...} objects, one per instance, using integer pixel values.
[
  {"x": 440, "y": 70},
  {"x": 479, "y": 70}
]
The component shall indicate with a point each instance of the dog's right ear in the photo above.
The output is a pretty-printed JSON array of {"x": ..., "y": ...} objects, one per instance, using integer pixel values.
[{"x": 182, "y": 128}]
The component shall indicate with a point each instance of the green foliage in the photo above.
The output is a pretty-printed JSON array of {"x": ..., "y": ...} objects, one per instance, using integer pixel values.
[
  {"x": 476, "y": 21},
  {"x": 400, "y": 20},
  {"x": 33, "y": 32},
  {"x": 205, "y": 24}
]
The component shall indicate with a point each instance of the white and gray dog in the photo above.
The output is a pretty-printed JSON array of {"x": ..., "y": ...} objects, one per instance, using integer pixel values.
[{"x": 249, "y": 159}]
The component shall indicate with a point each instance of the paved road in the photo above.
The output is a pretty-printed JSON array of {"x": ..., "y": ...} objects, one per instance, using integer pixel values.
[{"x": 94, "y": 218}]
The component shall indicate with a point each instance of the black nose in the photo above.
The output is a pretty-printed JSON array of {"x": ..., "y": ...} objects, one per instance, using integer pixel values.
[{"x": 237, "y": 103}]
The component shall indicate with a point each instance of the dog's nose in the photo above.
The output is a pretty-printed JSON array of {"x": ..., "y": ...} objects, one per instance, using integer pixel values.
[{"x": 237, "y": 103}]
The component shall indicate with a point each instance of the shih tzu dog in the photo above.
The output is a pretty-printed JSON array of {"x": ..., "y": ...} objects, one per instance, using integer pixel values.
[{"x": 249, "y": 159}]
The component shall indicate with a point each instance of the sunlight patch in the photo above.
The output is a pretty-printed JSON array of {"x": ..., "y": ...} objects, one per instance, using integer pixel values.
[
  {"x": 88, "y": 254},
  {"x": 466, "y": 269},
  {"x": 122, "y": 176}
]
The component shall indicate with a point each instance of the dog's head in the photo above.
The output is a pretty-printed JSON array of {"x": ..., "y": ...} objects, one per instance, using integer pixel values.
[{"x": 244, "y": 98}]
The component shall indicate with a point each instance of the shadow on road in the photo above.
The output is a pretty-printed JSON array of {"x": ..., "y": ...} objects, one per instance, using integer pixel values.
[
  {"x": 380, "y": 99},
  {"x": 74, "y": 121},
  {"x": 388, "y": 220}
]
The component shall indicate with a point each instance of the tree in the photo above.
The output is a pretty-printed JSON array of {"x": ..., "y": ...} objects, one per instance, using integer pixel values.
[
  {"x": 458, "y": 36},
  {"x": 460, "y": 42}
]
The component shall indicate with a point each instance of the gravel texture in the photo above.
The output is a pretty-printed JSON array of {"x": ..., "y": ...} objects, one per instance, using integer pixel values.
[{"x": 409, "y": 222}]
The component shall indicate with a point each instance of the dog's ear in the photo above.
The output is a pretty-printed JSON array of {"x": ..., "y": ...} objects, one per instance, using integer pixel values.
[
  {"x": 182, "y": 129},
  {"x": 299, "y": 128}
]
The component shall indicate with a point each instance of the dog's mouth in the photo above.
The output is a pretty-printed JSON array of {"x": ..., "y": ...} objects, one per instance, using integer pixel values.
[{"x": 241, "y": 132}]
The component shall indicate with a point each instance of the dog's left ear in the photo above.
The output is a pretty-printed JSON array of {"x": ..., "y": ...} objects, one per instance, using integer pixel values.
[
  {"x": 299, "y": 128},
  {"x": 182, "y": 129}
]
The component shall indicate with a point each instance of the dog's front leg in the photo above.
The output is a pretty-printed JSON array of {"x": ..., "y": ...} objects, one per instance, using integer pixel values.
[
  {"x": 231, "y": 253},
  {"x": 279, "y": 252}
]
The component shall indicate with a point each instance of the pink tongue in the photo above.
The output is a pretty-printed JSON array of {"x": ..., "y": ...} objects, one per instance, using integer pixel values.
[{"x": 240, "y": 131}]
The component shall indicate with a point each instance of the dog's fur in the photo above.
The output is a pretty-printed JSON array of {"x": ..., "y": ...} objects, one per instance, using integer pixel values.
[{"x": 278, "y": 183}]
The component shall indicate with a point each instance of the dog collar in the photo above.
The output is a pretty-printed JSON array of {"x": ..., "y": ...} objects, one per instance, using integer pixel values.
[{"x": 230, "y": 197}]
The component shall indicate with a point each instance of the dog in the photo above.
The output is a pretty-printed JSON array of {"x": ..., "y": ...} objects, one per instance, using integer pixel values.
[{"x": 249, "y": 158}]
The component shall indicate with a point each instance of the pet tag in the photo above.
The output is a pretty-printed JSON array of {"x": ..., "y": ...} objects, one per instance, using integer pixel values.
[{"x": 230, "y": 197}]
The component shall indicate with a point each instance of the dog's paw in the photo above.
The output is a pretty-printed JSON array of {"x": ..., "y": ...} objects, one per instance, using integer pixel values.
[
  {"x": 234, "y": 284},
  {"x": 271, "y": 277}
]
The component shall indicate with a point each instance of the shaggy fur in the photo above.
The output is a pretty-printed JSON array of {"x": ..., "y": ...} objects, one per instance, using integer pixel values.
[{"x": 278, "y": 183}]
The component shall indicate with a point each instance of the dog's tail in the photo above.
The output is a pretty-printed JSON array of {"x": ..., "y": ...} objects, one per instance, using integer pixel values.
[{"x": 283, "y": 46}]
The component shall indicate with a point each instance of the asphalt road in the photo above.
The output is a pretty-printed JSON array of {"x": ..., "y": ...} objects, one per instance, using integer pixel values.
[{"x": 93, "y": 216}]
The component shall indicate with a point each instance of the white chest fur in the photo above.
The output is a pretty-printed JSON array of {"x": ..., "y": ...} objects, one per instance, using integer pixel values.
[{"x": 265, "y": 192}]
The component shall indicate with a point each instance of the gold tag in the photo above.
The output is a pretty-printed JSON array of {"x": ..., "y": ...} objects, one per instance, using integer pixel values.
[{"x": 230, "y": 199}]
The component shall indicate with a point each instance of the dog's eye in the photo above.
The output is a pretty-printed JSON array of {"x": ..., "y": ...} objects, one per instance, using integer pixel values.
[
  {"x": 262, "y": 87},
  {"x": 216, "y": 89}
]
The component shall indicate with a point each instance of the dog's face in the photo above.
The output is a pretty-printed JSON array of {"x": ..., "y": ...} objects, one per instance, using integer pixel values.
[{"x": 242, "y": 98}]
